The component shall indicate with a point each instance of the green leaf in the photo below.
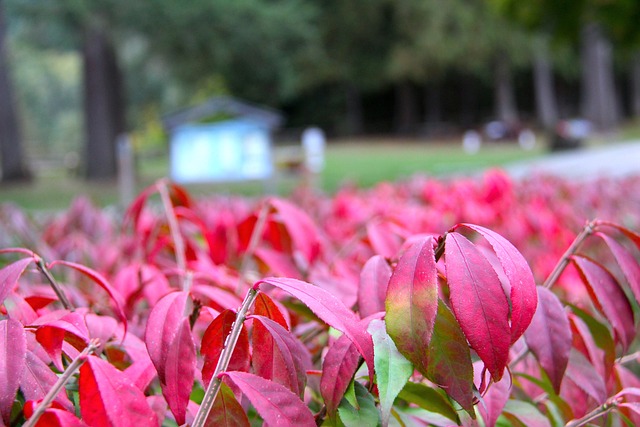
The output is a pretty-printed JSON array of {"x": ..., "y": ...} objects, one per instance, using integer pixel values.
[
  {"x": 545, "y": 384},
  {"x": 450, "y": 363},
  {"x": 428, "y": 398},
  {"x": 392, "y": 368},
  {"x": 365, "y": 414}
]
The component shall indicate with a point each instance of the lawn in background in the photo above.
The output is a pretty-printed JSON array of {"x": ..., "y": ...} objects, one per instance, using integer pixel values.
[{"x": 358, "y": 162}]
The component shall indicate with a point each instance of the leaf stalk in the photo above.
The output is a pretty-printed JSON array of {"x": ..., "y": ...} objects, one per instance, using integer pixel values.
[{"x": 588, "y": 230}]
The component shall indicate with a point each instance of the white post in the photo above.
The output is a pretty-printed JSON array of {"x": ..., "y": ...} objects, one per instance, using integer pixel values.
[
  {"x": 313, "y": 146},
  {"x": 126, "y": 170}
]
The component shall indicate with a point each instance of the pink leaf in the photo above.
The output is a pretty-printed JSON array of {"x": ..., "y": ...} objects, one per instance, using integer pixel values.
[
  {"x": 523, "y": 294},
  {"x": 10, "y": 274},
  {"x": 331, "y": 310},
  {"x": 582, "y": 373},
  {"x": 277, "y": 405},
  {"x": 478, "y": 302},
  {"x": 412, "y": 302},
  {"x": 172, "y": 350},
  {"x": 37, "y": 379},
  {"x": 213, "y": 342},
  {"x": 278, "y": 355},
  {"x": 549, "y": 336},
  {"x": 338, "y": 368},
  {"x": 494, "y": 400},
  {"x": 13, "y": 349},
  {"x": 627, "y": 262},
  {"x": 608, "y": 297},
  {"x": 301, "y": 228},
  {"x": 372, "y": 289},
  {"x": 383, "y": 239},
  {"x": 109, "y": 398},
  {"x": 100, "y": 281}
]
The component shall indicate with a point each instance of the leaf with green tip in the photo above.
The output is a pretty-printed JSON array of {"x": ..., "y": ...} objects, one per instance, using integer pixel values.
[
  {"x": 450, "y": 364},
  {"x": 478, "y": 302},
  {"x": 608, "y": 297},
  {"x": 411, "y": 303},
  {"x": 276, "y": 404},
  {"x": 549, "y": 336},
  {"x": 393, "y": 370},
  {"x": 226, "y": 411},
  {"x": 428, "y": 398},
  {"x": 364, "y": 413}
]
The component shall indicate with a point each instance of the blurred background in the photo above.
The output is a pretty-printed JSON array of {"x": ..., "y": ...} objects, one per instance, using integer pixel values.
[{"x": 76, "y": 74}]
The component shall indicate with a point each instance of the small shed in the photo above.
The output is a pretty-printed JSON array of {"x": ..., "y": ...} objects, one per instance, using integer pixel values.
[{"x": 221, "y": 140}]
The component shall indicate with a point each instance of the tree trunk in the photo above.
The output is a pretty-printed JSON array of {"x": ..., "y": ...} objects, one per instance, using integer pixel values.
[
  {"x": 103, "y": 103},
  {"x": 468, "y": 101},
  {"x": 635, "y": 86},
  {"x": 355, "y": 117},
  {"x": 546, "y": 104},
  {"x": 599, "y": 101},
  {"x": 13, "y": 164},
  {"x": 433, "y": 103},
  {"x": 406, "y": 117},
  {"x": 505, "y": 102}
]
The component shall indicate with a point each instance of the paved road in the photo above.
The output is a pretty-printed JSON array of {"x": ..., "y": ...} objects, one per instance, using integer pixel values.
[{"x": 614, "y": 160}]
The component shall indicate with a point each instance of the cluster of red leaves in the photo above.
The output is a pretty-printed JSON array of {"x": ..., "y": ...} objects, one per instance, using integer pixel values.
[{"x": 156, "y": 297}]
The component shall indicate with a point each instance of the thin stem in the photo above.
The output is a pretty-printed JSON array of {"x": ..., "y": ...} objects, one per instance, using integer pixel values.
[
  {"x": 256, "y": 235},
  {"x": 564, "y": 261},
  {"x": 62, "y": 381},
  {"x": 42, "y": 266},
  {"x": 633, "y": 357},
  {"x": 181, "y": 258},
  {"x": 225, "y": 357},
  {"x": 596, "y": 413}
]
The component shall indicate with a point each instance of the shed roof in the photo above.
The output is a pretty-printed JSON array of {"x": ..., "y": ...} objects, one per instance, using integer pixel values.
[{"x": 224, "y": 104}]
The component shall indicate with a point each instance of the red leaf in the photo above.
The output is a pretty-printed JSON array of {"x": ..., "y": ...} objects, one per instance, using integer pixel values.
[
  {"x": 37, "y": 379},
  {"x": 278, "y": 355},
  {"x": 383, "y": 238},
  {"x": 412, "y": 302},
  {"x": 331, "y": 310},
  {"x": 478, "y": 302},
  {"x": 100, "y": 281},
  {"x": 264, "y": 306},
  {"x": 582, "y": 373},
  {"x": 338, "y": 368},
  {"x": 523, "y": 294},
  {"x": 608, "y": 297},
  {"x": 109, "y": 398},
  {"x": 301, "y": 228},
  {"x": 213, "y": 342},
  {"x": 9, "y": 276},
  {"x": 549, "y": 336},
  {"x": 54, "y": 417},
  {"x": 226, "y": 411},
  {"x": 277, "y": 405},
  {"x": 13, "y": 349},
  {"x": 172, "y": 350},
  {"x": 627, "y": 262},
  {"x": 372, "y": 289}
]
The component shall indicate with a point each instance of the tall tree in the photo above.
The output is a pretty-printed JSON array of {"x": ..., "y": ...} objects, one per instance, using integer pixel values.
[{"x": 13, "y": 164}]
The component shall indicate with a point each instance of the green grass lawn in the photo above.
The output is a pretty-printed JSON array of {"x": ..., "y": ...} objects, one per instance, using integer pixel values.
[{"x": 359, "y": 162}]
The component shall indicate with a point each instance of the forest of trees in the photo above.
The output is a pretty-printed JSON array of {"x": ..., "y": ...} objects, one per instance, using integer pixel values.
[{"x": 75, "y": 74}]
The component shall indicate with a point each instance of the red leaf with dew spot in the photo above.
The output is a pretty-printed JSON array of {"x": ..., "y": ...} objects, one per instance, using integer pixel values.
[
  {"x": 10, "y": 274},
  {"x": 172, "y": 349},
  {"x": 608, "y": 297},
  {"x": 13, "y": 349},
  {"x": 331, "y": 310},
  {"x": 339, "y": 365},
  {"x": 109, "y": 398},
  {"x": 523, "y": 295},
  {"x": 213, "y": 342},
  {"x": 372, "y": 289},
  {"x": 278, "y": 355},
  {"x": 478, "y": 302},
  {"x": 412, "y": 302},
  {"x": 549, "y": 336},
  {"x": 276, "y": 404}
]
